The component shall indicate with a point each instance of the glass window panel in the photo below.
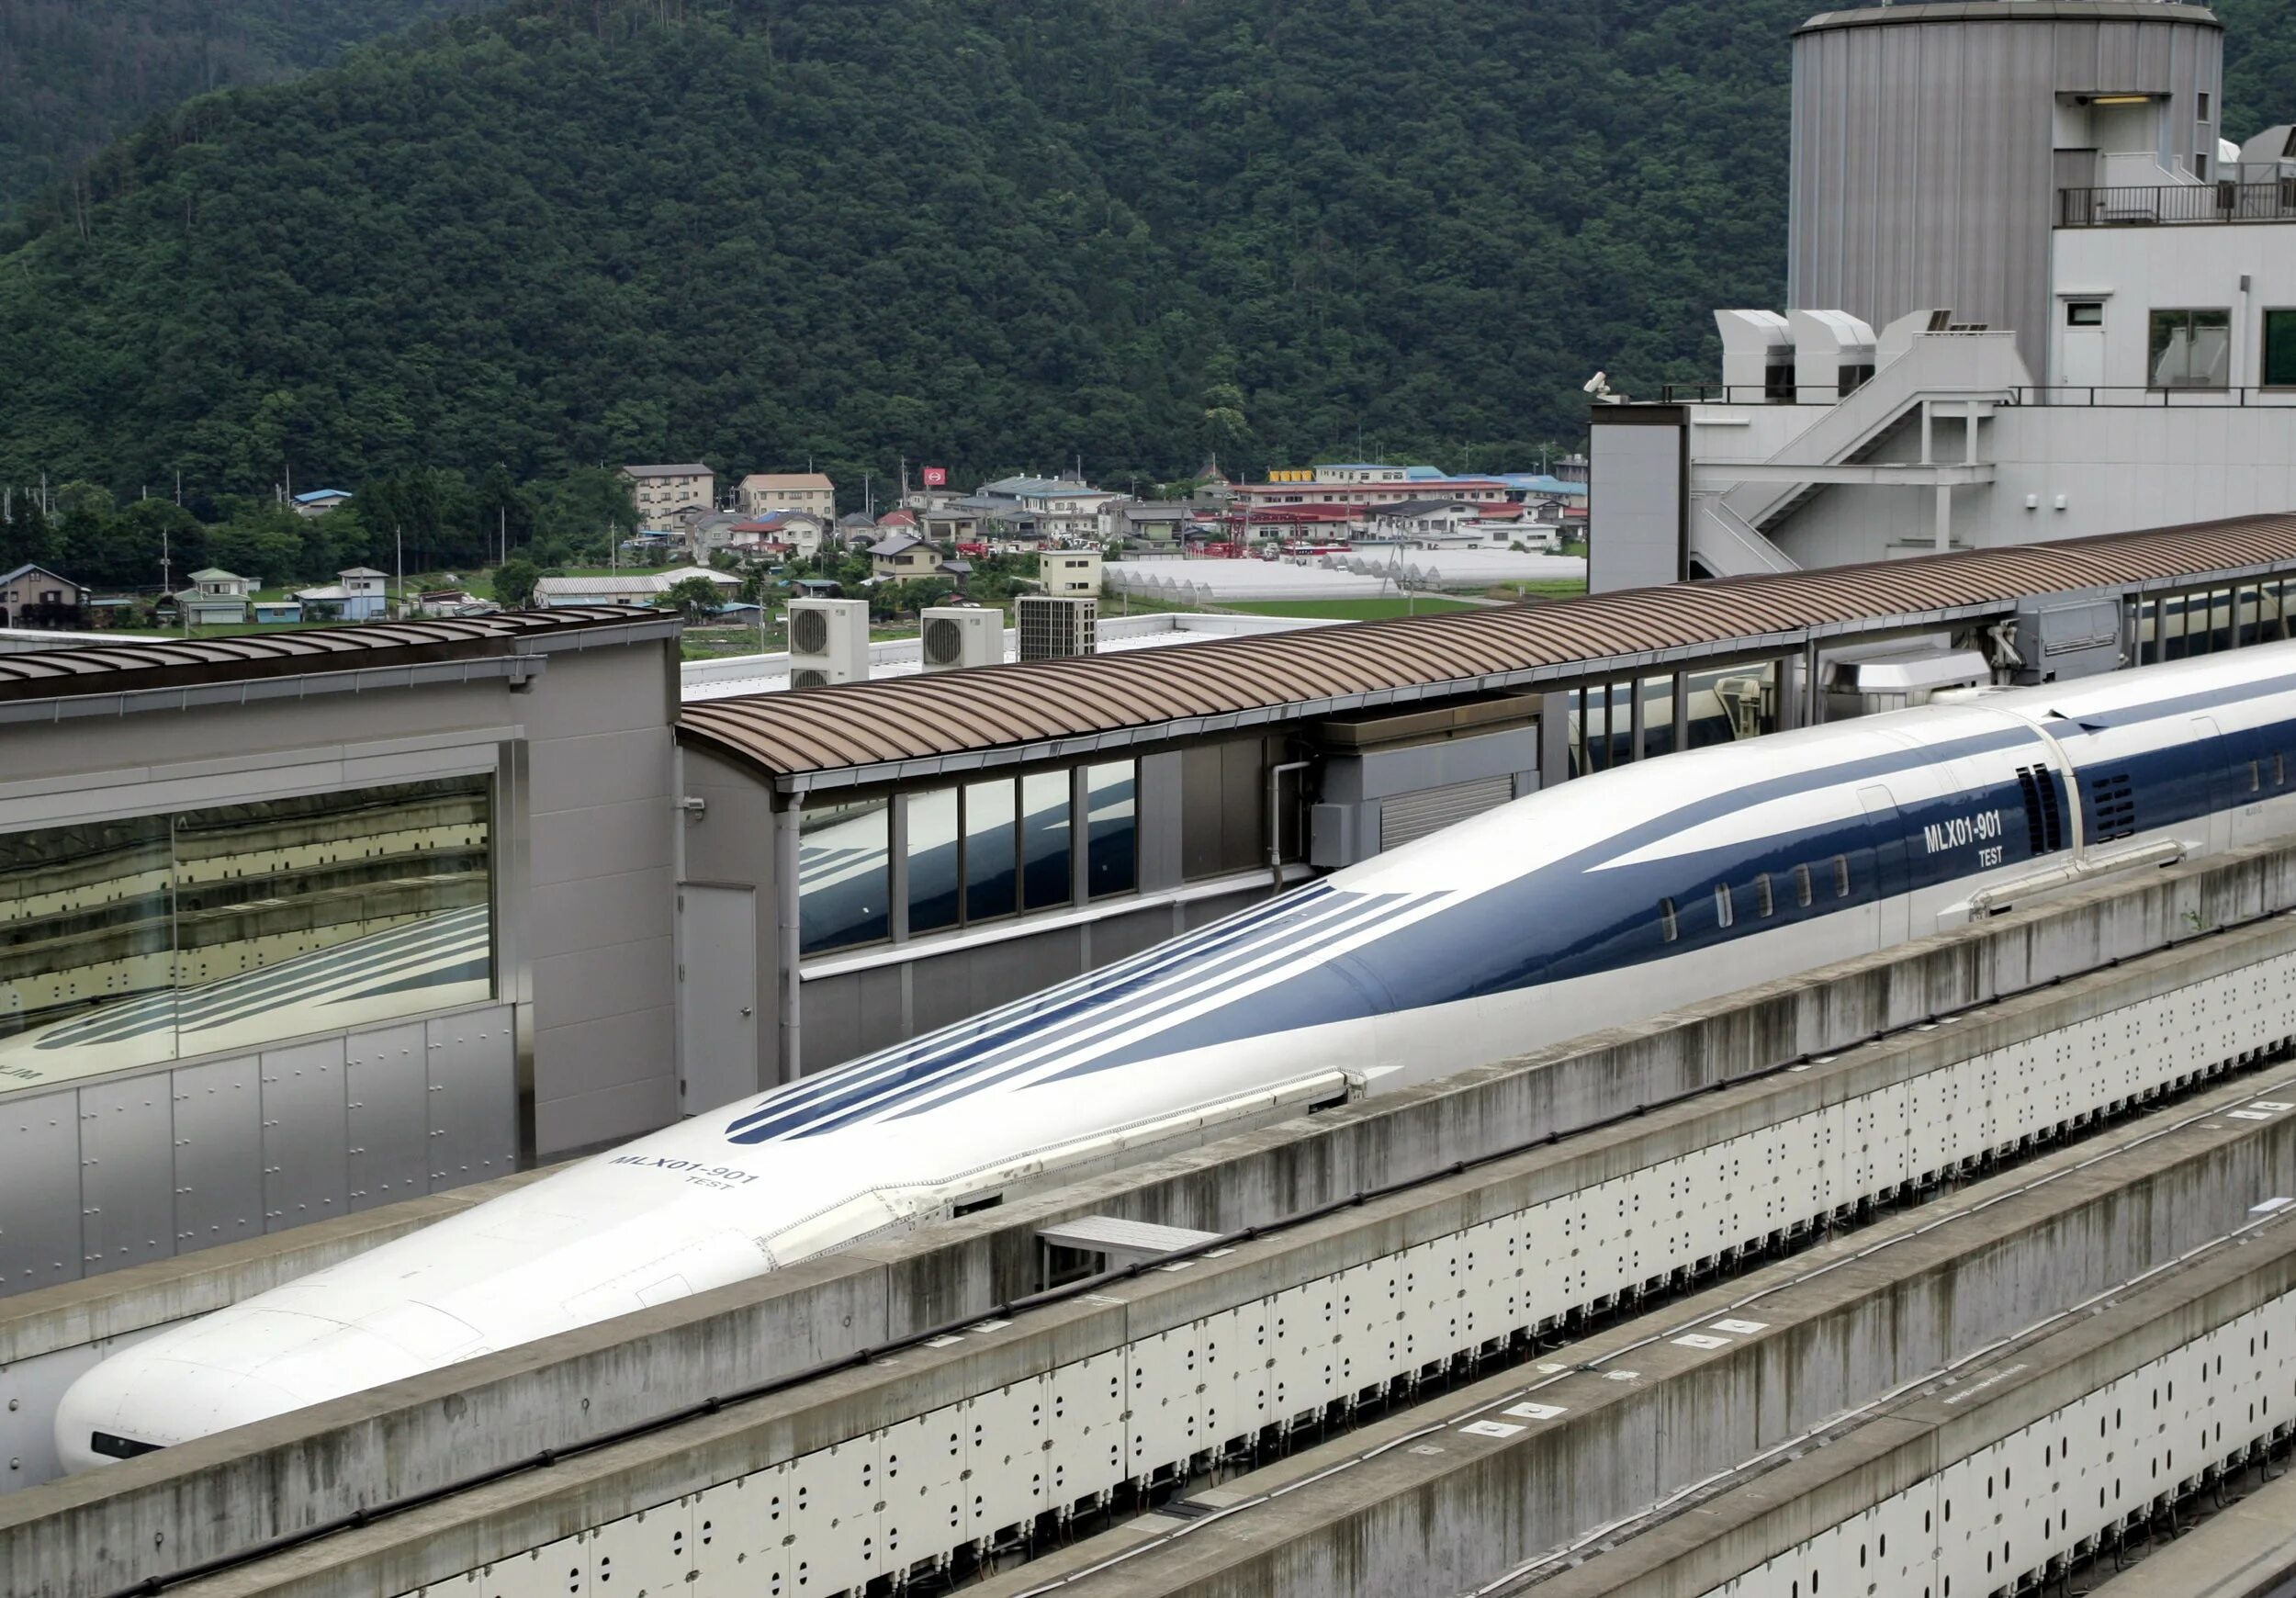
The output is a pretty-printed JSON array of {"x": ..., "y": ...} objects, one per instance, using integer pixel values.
[
  {"x": 2280, "y": 348},
  {"x": 88, "y": 958},
  {"x": 991, "y": 879},
  {"x": 2190, "y": 349},
  {"x": 1112, "y": 833},
  {"x": 1044, "y": 835},
  {"x": 1658, "y": 716},
  {"x": 130, "y": 943},
  {"x": 935, "y": 886},
  {"x": 844, "y": 877},
  {"x": 2249, "y": 614}
]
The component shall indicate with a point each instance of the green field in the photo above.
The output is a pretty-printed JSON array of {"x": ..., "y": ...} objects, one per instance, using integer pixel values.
[{"x": 1352, "y": 610}]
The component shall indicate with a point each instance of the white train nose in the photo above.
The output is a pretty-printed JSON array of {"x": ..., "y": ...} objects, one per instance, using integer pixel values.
[{"x": 134, "y": 1403}]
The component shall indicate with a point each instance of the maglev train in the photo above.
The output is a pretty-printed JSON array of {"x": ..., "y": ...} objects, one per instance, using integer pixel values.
[{"x": 1598, "y": 901}]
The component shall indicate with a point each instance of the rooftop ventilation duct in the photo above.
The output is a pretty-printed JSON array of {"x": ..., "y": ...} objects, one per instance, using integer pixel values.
[
  {"x": 1833, "y": 353},
  {"x": 1757, "y": 356}
]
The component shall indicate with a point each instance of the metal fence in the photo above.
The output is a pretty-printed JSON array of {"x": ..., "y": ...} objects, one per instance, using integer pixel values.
[{"x": 2224, "y": 201}]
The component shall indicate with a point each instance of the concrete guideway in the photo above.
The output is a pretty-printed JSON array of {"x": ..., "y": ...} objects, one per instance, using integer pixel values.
[
  {"x": 97, "y": 1534},
  {"x": 2246, "y": 1549},
  {"x": 1564, "y": 1460},
  {"x": 1004, "y": 1385}
]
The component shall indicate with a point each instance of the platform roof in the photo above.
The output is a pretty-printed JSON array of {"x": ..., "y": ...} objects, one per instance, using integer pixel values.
[
  {"x": 137, "y": 664},
  {"x": 919, "y": 726}
]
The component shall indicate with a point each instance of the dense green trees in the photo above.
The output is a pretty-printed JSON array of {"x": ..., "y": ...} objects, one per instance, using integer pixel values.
[
  {"x": 74, "y": 73},
  {"x": 996, "y": 234},
  {"x": 993, "y": 235}
]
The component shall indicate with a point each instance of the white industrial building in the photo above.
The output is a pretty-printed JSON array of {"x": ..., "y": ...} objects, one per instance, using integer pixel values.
[{"x": 2081, "y": 324}]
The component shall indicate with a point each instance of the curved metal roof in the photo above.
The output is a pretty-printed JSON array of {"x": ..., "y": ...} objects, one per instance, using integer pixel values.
[
  {"x": 139, "y": 663},
  {"x": 1031, "y": 710}
]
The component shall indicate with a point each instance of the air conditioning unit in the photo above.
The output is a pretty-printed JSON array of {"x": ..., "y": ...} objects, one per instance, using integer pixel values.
[
  {"x": 956, "y": 637},
  {"x": 828, "y": 642},
  {"x": 1055, "y": 626}
]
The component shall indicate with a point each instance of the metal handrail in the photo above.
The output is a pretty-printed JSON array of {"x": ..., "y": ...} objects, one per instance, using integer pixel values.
[
  {"x": 2097, "y": 396},
  {"x": 2178, "y": 204}
]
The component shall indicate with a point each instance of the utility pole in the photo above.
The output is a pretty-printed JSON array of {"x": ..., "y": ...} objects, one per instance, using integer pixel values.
[
  {"x": 501, "y": 534},
  {"x": 399, "y": 550},
  {"x": 179, "y": 487}
]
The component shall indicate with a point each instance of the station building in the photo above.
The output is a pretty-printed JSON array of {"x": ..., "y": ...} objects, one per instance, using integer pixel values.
[
  {"x": 872, "y": 860},
  {"x": 2034, "y": 292},
  {"x": 299, "y": 925}
]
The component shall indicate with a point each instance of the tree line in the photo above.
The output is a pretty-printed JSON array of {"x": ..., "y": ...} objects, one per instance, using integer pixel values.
[{"x": 425, "y": 519}]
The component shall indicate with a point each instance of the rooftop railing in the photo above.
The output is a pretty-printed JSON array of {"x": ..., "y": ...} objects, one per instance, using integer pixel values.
[
  {"x": 2096, "y": 395},
  {"x": 2224, "y": 201}
]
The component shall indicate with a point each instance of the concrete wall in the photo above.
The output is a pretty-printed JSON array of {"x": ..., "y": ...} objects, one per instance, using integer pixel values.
[
  {"x": 2119, "y": 468},
  {"x": 601, "y": 779},
  {"x": 2135, "y": 270},
  {"x": 1640, "y": 512},
  {"x": 506, "y": 1407}
]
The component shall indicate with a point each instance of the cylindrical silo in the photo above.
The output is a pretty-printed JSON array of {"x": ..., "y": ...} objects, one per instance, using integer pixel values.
[{"x": 1931, "y": 143}]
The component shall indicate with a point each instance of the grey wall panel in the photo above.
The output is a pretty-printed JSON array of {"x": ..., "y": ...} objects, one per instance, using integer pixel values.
[
  {"x": 1204, "y": 912},
  {"x": 306, "y": 1175},
  {"x": 219, "y": 1153},
  {"x": 879, "y": 1009},
  {"x": 473, "y": 1095},
  {"x": 1636, "y": 535},
  {"x": 1121, "y": 936},
  {"x": 1200, "y": 793},
  {"x": 829, "y": 1015},
  {"x": 39, "y": 1190},
  {"x": 126, "y": 1172},
  {"x": 1159, "y": 818},
  {"x": 387, "y": 1116},
  {"x": 1922, "y": 169}
]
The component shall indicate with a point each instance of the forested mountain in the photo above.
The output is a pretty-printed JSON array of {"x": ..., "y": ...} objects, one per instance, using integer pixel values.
[
  {"x": 993, "y": 233},
  {"x": 76, "y": 73}
]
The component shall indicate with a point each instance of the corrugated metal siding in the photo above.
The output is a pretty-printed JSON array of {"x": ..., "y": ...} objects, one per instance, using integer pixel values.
[
  {"x": 1413, "y": 816},
  {"x": 1922, "y": 167},
  {"x": 1214, "y": 687}
]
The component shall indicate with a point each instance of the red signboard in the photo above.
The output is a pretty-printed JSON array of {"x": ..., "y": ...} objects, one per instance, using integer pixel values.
[{"x": 936, "y": 477}]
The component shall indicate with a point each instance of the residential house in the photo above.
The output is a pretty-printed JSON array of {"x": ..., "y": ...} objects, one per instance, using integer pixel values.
[
  {"x": 217, "y": 599},
  {"x": 319, "y": 501},
  {"x": 797, "y": 532},
  {"x": 1160, "y": 521},
  {"x": 855, "y": 528},
  {"x": 903, "y": 520},
  {"x": 704, "y": 531},
  {"x": 1070, "y": 571},
  {"x": 276, "y": 613},
  {"x": 902, "y": 555},
  {"x": 359, "y": 595},
  {"x": 1430, "y": 519},
  {"x": 1063, "y": 507},
  {"x": 33, "y": 596},
  {"x": 663, "y": 490},
  {"x": 811, "y": 492}
]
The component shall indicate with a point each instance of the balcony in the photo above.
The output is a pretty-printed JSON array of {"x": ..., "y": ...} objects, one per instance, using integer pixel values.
[{"x": 2174, "y": 203}]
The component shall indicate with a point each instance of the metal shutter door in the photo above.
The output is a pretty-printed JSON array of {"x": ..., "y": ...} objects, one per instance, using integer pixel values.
[{"x": 1409, "y": 816}]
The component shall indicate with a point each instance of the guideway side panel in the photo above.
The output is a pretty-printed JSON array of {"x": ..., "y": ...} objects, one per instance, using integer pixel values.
[{"x": 1147, "y": 1412}]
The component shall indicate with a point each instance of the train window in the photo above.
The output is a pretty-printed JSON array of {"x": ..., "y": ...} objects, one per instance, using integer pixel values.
[
  {"x": 1802, "y": 894},
  {"x": 2256, "y": 776},
  {"x": 1670, "y": 926},
  {"x": 1763, "y": 904},
  {"x": 2279, "y": 771},
  {"x": 1723, "y": 917},
  {"x": 1841, "y": 876}
]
